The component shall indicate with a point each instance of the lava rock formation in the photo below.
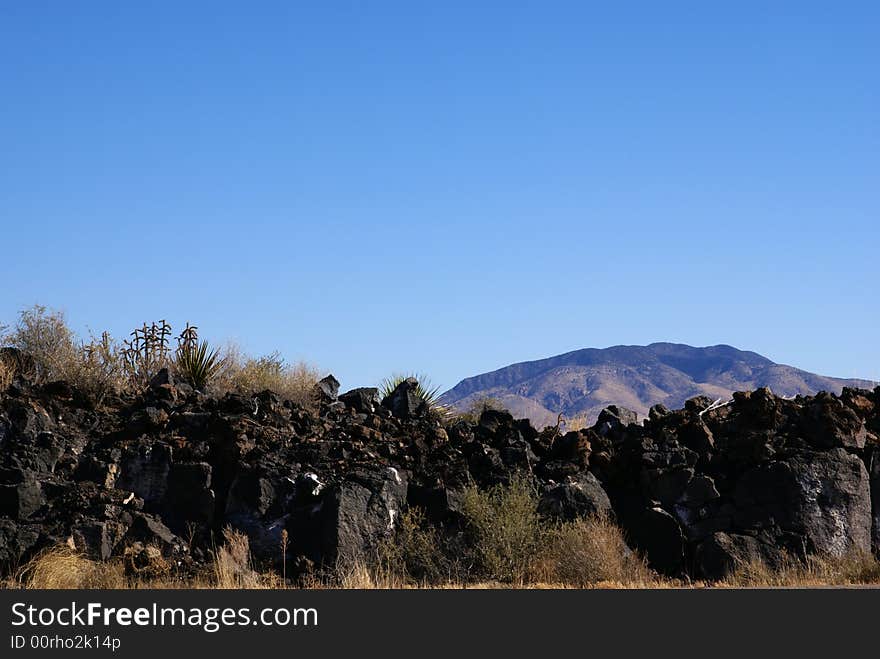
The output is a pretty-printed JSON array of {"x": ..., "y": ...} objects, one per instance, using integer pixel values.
[{"x": 168, "y": 469}]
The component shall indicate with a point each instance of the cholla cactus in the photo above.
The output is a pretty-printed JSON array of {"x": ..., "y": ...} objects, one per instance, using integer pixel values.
[
  {"x": 146, "y": 352},
  {"x": 188, "y": 339}
]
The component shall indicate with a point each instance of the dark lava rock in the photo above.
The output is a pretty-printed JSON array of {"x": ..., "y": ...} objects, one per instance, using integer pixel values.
[
  {"x": 875, "y": 498},
  {"x": 168, "y": 469},
  {"x": 695, "y": 434},
  {"x": 359, "y": 512},
  {"x": 658, "y": 412},
  {"x": 828, "y": 423},
  {"x": 189, "y": 496},
  {"x": 580, "y": 496},
  {"x": 22, "y": 500},
  {"x": 721, "y": 555},
  {"x": 404, "y": 402},
  {"x": 328, "y": 388},
  {"x": 363, "y": 400},
  {"x": 658, "y": 534},
  {"x": 822, "y": 497},
  {"x": 617, "y": 416}
]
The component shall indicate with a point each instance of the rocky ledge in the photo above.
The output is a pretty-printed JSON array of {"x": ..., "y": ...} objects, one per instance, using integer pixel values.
[{"x": 167, "y": 470}]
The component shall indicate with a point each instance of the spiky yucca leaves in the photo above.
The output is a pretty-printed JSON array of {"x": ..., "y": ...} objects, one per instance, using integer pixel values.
[
  {"x": 198, "y": 364},
  {"x": 424, "y": 390}
]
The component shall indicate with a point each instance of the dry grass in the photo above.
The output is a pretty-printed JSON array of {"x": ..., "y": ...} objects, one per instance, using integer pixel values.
[
  {"x": 294, "y": 382},
  {"x": 64, "y": 568},
  {"x": 94, "y": 367},
  {"x": 100, "y": 365},
  {"x": 358, "y": 576},
  {"x": 97, "y": 367},
  {"x": 583, "y": 555},
  {"x": 232, "y": 562},
  {"x": 590, "y": 552},
  {"x": 578, "y": 422},
  {"x": 853, "y": 569},
  {"x": 43, "y": 334},
  {"x": 7, "y": 372}
]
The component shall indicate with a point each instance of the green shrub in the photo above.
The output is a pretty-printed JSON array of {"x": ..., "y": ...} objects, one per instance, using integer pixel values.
[
  {"x": 414, "y": 553},
  {"x": 504, "y": 528}
]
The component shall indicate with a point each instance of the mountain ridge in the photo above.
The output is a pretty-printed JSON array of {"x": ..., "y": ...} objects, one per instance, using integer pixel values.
[{"x": 579, "y": 383}]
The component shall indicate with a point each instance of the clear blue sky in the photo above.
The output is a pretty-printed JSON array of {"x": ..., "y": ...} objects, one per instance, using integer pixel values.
[{"x": 448, "y": 187}]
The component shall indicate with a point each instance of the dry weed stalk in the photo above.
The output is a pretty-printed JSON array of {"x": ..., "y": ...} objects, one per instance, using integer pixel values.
[
  {"x": 232, "y": 562},
  {"x": 284, "y": 555}
]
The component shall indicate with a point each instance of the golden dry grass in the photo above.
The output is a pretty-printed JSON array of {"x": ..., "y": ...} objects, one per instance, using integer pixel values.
[
  {"x": 7, "y": 372},
  {"x": 588, "y": 552},
  {"x": 294, "y": 382},
  {"x": 852, "y": 569},
  {"x": 577, "y": 422},
  {"x": 232, "y": 563},
  {"x": 63, "y": 568},
  {"x": 99, "y": 365}
]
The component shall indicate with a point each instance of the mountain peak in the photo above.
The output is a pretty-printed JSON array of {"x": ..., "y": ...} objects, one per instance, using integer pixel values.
[{"x": 582, "y": 382}]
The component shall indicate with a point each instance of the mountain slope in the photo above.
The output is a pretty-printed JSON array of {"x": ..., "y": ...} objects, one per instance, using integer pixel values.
[{"x": 582, "y": 382}]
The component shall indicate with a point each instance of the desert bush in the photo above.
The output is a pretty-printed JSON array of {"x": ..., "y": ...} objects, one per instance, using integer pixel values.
[
  {"x": 414, "y": 554},
  {"x": 504, "y": 528},
  {"x": 64, "y": 568},
  {"x": 294, "y": 382},
  {"x": 94, "y": 367},
  {"x": 97, "y": 368},
  {"x": 589, "y": 551},
  {"x": 43, "y": 334},
  {"x": 14, "y": 363}
]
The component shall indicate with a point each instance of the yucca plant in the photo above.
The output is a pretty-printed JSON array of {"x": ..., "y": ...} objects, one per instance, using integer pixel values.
[
  {"x": 197, "y": 364},
  {"x": 424, "y": 390}
]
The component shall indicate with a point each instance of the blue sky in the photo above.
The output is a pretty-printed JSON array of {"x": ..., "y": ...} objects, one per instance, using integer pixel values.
[{"x": 448, "y": 187}]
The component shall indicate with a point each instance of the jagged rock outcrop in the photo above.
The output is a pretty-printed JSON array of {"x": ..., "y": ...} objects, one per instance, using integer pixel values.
[
  {"x": 165, "y": 471},
  {"x": 755, "y": 477}
]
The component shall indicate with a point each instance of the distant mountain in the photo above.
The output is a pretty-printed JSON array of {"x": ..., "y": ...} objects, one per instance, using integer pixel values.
[{"x": 581, "y": 383}]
